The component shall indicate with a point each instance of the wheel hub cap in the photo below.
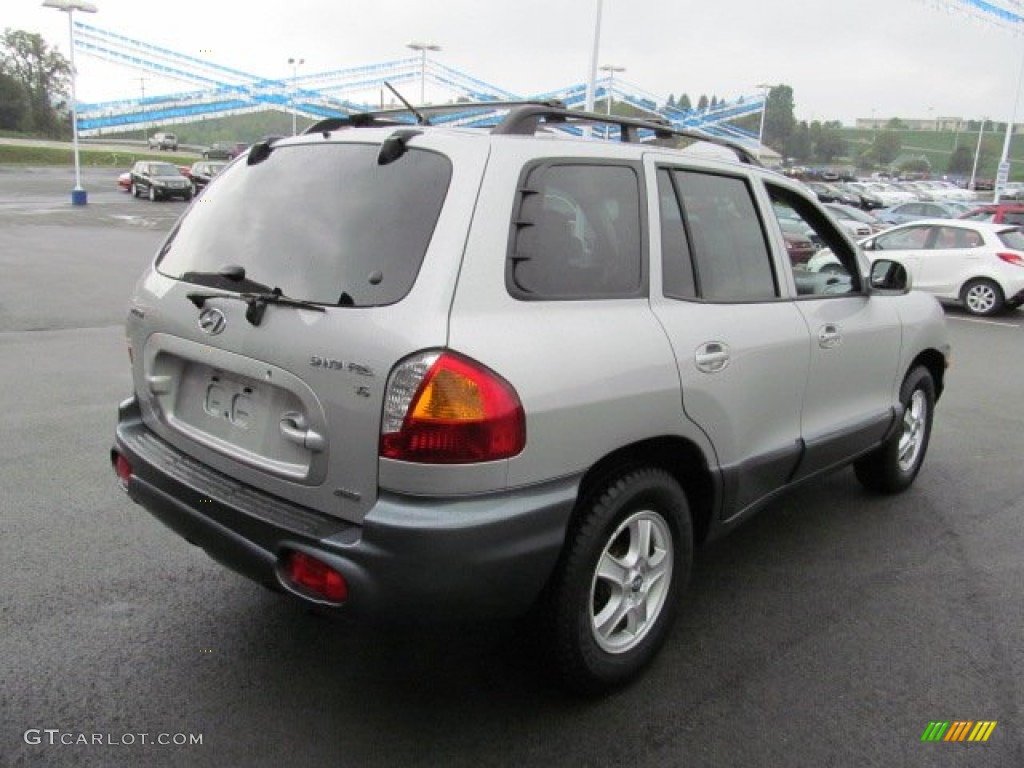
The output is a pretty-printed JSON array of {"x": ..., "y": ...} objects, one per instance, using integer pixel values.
[{"x": 631, "y": 582}]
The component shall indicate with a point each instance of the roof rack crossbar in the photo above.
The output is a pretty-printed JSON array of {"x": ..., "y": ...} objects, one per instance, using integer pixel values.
[
  {"x": 402, "y": 116},
  {"x": 526, "y": 120}
]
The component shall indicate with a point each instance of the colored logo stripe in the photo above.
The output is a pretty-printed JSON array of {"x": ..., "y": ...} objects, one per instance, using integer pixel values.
[
  {"x": 982, "y": 731},
  {"x": 958, "y": 730}
]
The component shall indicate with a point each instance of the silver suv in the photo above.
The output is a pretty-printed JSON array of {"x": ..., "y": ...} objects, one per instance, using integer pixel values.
[
  {"x": 163, "y": 141},
  {"x": 415, "y": 370}
]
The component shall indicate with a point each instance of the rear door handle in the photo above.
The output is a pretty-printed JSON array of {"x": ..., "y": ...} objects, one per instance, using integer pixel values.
[
  {"x": 294, "y": 428},
  {"x": 712, "y": 357}
]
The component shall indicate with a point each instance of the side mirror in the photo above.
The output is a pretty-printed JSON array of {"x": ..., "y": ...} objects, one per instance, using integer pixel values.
[{"x": 889, "y": 276}]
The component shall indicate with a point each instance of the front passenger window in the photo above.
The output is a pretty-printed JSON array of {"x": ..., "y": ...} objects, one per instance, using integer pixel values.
[{"x": 821, "y": 260}]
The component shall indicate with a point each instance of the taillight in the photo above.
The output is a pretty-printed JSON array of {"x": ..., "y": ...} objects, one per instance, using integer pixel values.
[
  {"x": 1011, "y": 258},
  {"x": 443, "y": 408},
  {"x": 122, "y": 468}
]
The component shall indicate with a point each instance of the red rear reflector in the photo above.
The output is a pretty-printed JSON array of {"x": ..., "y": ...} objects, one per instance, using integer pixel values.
[
  {"x": 317, "y": 577},
  {"x": 123, "y": 469},
  {"x": 1012, "y": 258}
]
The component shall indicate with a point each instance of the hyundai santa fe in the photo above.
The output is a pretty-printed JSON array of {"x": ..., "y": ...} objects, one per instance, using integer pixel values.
[{"x": 406, "y": 368}]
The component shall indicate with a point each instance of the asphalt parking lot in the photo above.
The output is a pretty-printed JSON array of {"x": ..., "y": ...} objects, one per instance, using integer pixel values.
[{"x": 828, "y": 631}]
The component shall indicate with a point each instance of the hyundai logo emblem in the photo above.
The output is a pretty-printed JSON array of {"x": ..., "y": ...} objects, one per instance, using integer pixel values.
[{"x": 212, "y": 321}]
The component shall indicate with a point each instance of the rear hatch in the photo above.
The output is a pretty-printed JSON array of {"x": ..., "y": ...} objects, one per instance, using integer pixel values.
[{"x": 264, "y": 334}]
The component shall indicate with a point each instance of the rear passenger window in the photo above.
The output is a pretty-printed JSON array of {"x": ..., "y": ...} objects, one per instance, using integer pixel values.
[
  {"x": 715, "y": 225},
  {"x": 952, "y": 238},
  {"x": 577, "y": 234},
  {"x": 677, "y": 278}
]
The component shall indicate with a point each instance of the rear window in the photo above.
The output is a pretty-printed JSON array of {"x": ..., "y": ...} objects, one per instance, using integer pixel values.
[
  {"x": 324, "y": 223},
  {"x": 164, "y": 169},
  {"x": 1012, "y": 238}
]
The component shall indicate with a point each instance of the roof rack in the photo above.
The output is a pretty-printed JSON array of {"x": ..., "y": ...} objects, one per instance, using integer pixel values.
[
  {"x": 525, "y": 118},
  {"x": 403, "y": 116}
]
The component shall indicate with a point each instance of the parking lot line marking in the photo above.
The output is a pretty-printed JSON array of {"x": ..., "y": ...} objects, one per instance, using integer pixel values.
[{"x": 984, "y": 322}]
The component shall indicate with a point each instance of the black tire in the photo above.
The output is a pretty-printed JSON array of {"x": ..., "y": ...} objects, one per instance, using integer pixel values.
[
  {"x": 152, "y": 193},
  {"x": 134, "y": 190},
  {"x": 893, "y": 467},
  {"x": 604, "y": 629},
  {"x": 982, "y": 297}
]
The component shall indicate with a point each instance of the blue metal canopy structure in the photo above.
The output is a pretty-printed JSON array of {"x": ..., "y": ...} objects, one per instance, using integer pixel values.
[{"x": 218, "y": 91}]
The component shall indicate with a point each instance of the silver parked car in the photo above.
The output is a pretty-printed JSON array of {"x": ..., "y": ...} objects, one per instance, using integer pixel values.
[
  {"x": 163, "y": 141},
  {"x": 411, "y": 370}
]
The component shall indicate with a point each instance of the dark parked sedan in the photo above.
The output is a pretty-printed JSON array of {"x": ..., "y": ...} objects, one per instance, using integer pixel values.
[
  {"x": 159, "y": 181},
  {"x": 224, "y": 150},
  {"x": 203, "y": 171}
]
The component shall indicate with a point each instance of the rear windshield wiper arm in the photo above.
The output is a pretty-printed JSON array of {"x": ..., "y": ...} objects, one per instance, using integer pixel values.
[{"x": 257, "y": 302}]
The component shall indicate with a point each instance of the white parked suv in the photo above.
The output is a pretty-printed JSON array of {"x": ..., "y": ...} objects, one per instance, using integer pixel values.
[{"x": 415, "y": 370}]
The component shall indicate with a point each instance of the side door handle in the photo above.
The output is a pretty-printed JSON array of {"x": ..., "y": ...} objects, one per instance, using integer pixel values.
[
  {"x": 829, "y": 336},
  {"x": 712, "y": 357}
]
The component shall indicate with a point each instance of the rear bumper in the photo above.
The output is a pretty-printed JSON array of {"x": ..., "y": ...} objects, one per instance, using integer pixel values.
[{"x": 410, "y": 558}]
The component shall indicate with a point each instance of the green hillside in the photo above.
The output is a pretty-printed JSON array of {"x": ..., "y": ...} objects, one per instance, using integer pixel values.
[
  {"x": 248, "y": 128},
  {"x": 938, "y": 147}
]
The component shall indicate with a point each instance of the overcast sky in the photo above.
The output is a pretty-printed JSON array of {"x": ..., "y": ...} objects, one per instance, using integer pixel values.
[{"x": 843, "y": 58}]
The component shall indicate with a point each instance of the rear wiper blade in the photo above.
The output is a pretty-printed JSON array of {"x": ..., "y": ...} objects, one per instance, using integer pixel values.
[
  {"x": 230, "y": 277},
  {"x": 256, "y": 301}
]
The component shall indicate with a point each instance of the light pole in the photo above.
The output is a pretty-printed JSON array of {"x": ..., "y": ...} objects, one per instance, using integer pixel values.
[
  {"x": 423, "y": 48},
  {"x": 295, "y": 64},
  {"x": 977, "y": 151},
  {"x": 764, "y": 108},
  {"x": 592, "y": 79},
  {"x": 142, "y": 104},
  {"x": 1003, "y": 174},
  {"x": 78, "y": 195},
  {"x": 611, "y": 69}
]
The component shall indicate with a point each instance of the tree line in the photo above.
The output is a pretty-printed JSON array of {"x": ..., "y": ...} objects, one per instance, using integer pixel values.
[
  {"x": 35, "y": 83},
  {"x": 825, "y": 142}
]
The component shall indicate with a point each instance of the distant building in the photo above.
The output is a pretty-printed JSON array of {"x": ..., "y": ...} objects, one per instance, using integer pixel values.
[{"x": 928, "y": 124}]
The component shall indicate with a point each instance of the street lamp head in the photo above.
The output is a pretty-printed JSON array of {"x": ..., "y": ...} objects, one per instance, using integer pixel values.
[
  {"x": 70, "y": 5},
  {"x": 296, "y": 62},
  {"x": 611, "y": 68},
  {"x": 418, "y": 46}
]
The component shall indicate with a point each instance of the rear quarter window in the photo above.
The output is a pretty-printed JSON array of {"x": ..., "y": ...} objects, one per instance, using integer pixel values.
[
  {"x": 1012, "y": 238},
  {"x": 576, "y": 233}
]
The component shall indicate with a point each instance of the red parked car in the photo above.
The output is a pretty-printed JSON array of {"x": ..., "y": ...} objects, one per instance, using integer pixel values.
[{"x": 998, "y": 214}]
